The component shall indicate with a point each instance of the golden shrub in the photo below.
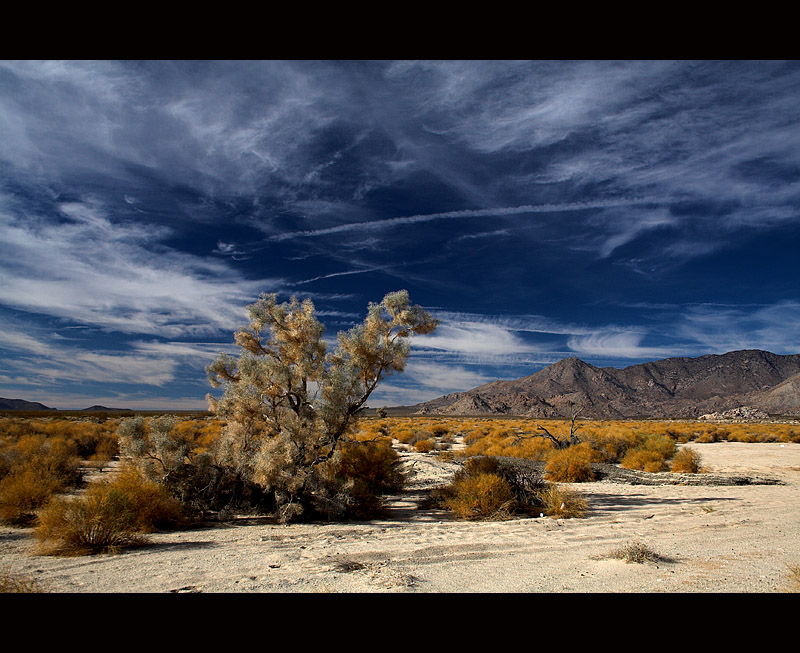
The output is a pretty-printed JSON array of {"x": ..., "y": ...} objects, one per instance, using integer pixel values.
[
  {"x": 645, "y": 459},
  {"x": 155, "y": 508},
  {"x": 424, "y": 446},
  {"x": 687, "y": 461},
  {"x": 571, "y": 465},
  {"x": 558, "y": 501},
  {"x": 480, "y": 496},
  {"x": 110, "y": 516},
  {"x": 88, "y": 524},
  {"x": 23, "y": 493}
]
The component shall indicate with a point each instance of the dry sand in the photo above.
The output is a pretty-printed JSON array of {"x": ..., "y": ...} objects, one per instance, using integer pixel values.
[{"x": 735, "y": 538}]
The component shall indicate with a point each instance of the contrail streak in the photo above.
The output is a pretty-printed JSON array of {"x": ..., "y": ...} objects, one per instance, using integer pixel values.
[{"x": 467, "y": 213}]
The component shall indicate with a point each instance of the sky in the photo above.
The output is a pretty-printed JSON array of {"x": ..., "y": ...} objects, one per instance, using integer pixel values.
[{"x": 616, "y": 211}]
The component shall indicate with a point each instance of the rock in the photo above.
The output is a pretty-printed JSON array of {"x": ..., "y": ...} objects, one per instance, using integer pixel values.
[{"x": 743, "y": 412}]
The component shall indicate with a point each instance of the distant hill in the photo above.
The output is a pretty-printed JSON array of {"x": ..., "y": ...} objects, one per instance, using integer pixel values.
[
  {"x": 21, "y": 404},
  {"x": 669, "y": 388},
  {"x": 103, "y": 409}
]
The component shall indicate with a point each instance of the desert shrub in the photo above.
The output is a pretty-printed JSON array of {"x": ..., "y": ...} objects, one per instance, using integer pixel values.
[
  {"x": 424, "y": 446},
  {"x": 480, "y": 495},
  {"x": 708, "y": 435},
  {"x": 23, "y": 493},
  {"x": 155, "y": 508},
  {"x": 191, "y": 474},
  {"x": 744, "y": 437},
  {"x": 571, "y": 465},
  {"x": 637, "y": 552},
  {"x": 288, "y": 403},
  {"x": 170, "y": 456},
  {"x": 439, "y": 430},
  {"x": 16, "y": 583},
  {"x": 532, "y": 449},
  {"x": 645, "y": 460},
  {"x": 36, "y": 468},
  {"x": 361, "y": 474},
  {"x": 480, "y": 490},
  {"x": 109, "y": 516},
  {"x": 651, "y": 455},
  {"x": 558, "y": 501},
  {"x": 93, "y": 441},
  {"x": 404, "y": 434},
  {"x": 102, "y": 521},
  {"x": 611, "y": 446},
  {"x": 687, "y": 461}
]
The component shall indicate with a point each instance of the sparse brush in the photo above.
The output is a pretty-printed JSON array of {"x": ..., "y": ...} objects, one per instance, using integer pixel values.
[
  {"x": 23, "y": 493},
  {"x": 637, "y": 552},
  {"x": 794, "y": 577},
  {"x": 108, "y": 517},
  {"x": 155, "y": 508},
  {"x": 644, "y": 459},
  {"x": 480, "y": 495},
  {"x": 16, "y": 583},
  {"x": 571, "y": 465},
  {"x": 687, "y": 461},
  {"x": 424, "y": 446},
  {"x": 354, "y": 482},
  {"x": 558, "y": 501},
  {"x": 96, "y": 523}
]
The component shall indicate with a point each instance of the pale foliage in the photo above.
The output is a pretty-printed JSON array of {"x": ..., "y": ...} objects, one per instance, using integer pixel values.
[{"x": 288, "y": 403}]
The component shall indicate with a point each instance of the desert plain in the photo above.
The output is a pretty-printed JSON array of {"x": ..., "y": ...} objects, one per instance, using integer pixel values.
[{"x": 708, "y": 539}]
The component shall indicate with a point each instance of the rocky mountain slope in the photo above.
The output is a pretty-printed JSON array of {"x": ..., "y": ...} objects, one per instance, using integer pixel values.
[
  {"x": 669, "y": 388},
  {"x": 21, "y": 404}
]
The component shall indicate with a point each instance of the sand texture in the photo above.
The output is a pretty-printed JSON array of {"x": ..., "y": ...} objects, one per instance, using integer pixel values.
[{"x": 711, "y": 538}]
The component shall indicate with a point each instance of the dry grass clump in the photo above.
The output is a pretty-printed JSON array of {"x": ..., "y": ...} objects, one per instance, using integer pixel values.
[
  {"x": 651, "y": 455},
  {"x": 481, "y": 495},
  {"x": 686, "y": 461},
  {"x": 637, "y": 552},
  {"x": 100, "y": 523},
  {"x": 571, "y": 465},
  {"x": 365, "y": 472},
  {"x": 794, "y": 578},
  {"x": 485, "y": 489},
  {"x": 424, "y": 446},
  {"x": 558, "y": 501},
  {"x": 16, "y": 583},
  {"x": 32, "y": 469},
  {"x": 110, "y": 516}
]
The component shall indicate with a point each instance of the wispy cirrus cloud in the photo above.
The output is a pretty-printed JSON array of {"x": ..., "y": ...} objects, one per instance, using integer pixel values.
[
  {"x": 155, "y": 199},
  {"x": 401, "y": 221},
  {"x": 617, "y": 345},
  {"x": 39, "y": 362},
  {"x": 718, "y": 328},
  {"x": 118, "y": 276}
]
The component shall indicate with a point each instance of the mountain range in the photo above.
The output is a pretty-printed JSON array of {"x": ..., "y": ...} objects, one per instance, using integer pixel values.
[
  {"x": 23, "y": 404},
  {"x": 669, "y": 388}
]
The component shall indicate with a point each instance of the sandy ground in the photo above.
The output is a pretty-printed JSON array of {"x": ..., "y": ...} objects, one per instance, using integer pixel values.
[{"x": 737, "y": 539}]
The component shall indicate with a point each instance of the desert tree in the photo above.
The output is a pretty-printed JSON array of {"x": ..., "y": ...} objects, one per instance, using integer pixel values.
[
  {"x": 288, "y": 403},
  {"x": 559, "y": 442}
]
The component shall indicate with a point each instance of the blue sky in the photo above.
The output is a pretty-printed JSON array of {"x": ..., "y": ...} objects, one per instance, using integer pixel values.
[{"x": 617, "y": 211}]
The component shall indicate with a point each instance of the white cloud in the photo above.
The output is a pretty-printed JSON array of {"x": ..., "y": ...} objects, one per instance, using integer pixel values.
[
  {"x": 474, "y": 338},
  {"x": 721, "y": 328},
  {"x": 374, "y": 225},
  {"x": 116, "y": 276},
  {"x": 39, "y": 361},
  {"x": 616, "y": 345},
  {"x": 444, "y": 378}
]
